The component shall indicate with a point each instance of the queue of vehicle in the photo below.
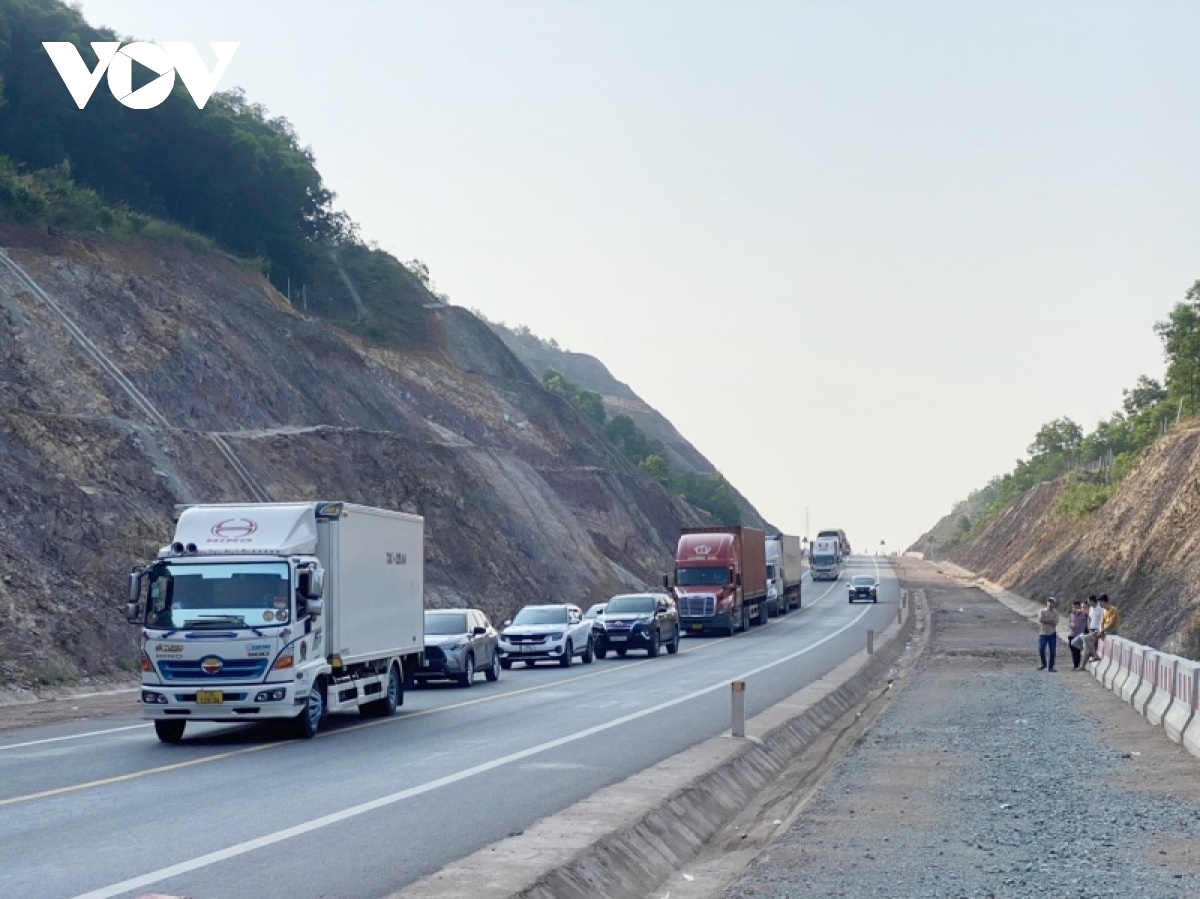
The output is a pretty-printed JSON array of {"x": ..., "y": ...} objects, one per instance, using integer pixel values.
[{"x": 294, "y": 611}]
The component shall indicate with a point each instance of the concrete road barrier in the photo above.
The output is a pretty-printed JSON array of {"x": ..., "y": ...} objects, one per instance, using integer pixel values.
[
  {"x": 1151, "y": 660},
  {"x": 1164, "y": 691},
  {"x": 1106, "y": 660},
  {"x": 1115, "y": 646},
  {"x": 1183, "y": 705},
  {"x": 1133, "y": 680}
]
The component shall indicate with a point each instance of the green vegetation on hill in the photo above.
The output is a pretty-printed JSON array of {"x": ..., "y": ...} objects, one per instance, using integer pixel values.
[
  {"x": 229, "y": 176},
  {"x": 711, "y": 494},
  {"x": 228, "y": 171},
  {"x": 1097, "y": 461}
]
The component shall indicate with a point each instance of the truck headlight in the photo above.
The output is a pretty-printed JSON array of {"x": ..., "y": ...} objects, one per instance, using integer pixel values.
[
  {"x": 271, "y": 695},
  {"x": 151, "y": 698}
]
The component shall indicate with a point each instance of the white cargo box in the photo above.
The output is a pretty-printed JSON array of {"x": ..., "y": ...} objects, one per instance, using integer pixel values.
[{"x": 374, "y": 564}]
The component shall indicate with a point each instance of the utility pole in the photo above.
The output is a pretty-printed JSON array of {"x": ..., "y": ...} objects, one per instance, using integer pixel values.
[{"x": 806, "y": 531}]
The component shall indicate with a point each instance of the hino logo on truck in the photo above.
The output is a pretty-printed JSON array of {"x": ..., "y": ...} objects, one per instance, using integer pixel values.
[
  {"x": 233, "y": 530},
  {"x": 164, "y": 60},
  {"x": 211, "y": 665}
]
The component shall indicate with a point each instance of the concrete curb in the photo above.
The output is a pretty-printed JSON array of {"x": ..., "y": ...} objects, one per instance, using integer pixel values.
[{"x": 626, "y": 838}]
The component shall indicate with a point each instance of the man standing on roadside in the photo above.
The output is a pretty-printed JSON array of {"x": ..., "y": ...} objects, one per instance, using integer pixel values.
[
  {"x": 1093, "y": 630},
  {"x": 1048, "y": 640}
]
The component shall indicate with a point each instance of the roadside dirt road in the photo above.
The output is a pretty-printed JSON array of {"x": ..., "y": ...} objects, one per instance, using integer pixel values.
[{"x": 982, "y": 777}]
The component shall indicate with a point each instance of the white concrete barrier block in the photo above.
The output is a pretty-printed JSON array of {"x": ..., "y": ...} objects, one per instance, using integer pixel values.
[
  {"x": 1106, "y": 660},
  {"x": 1133, "y": 680},
  {"x": 1118, "y": 669},
  {"x": 1149, "y": 683},
  {"x": 1183, "y": 705},
  {"x": 1164, "y": 690}
]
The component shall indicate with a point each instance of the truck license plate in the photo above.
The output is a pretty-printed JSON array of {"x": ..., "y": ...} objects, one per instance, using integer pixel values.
[{"x": 209, "y": 697}]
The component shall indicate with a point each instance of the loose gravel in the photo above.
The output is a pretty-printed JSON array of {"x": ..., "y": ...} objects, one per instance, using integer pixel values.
[{"x": 984, "y": 778}]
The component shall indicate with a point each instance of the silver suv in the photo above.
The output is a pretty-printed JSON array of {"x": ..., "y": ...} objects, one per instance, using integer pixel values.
[
  {"x": 459, "y": 642},
  {"x": 554, "y": 633}
]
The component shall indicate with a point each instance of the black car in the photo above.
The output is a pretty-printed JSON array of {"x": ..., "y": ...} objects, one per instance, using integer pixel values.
[
  {"x": 646, "y": 621},
  {"x": 863, "y": 586}
]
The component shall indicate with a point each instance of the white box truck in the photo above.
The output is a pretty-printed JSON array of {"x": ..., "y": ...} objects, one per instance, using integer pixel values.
[
  {"x": 825, "y": 558},
  {"x": 784, "y": 572},
  {"x": 279, "y": 610}
]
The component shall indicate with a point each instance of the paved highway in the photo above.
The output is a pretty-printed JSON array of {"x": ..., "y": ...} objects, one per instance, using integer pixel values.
[{"x": 101, "y": 808}]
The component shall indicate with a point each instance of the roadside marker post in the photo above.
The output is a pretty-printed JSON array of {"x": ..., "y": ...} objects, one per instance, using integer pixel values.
[
  {"x": 870, "y": 643},
  {"x": 739, "y": 708},
  {"x": 899, "y": 615}
]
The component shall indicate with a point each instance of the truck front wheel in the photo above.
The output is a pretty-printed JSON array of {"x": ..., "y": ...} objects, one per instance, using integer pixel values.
[
  {"x": 386, "y": 707},
  {"x": 308, "y": 722},
  {"x": 169, "y": 730}
]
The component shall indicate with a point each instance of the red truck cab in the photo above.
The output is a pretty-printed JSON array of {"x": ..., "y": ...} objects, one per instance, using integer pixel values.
[{"x": 720, "y": 579}]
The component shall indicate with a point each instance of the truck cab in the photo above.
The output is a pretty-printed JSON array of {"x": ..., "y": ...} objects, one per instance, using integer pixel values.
[
  {"x": 710, "y": 569},
  {"x": 235, "y": 624}
]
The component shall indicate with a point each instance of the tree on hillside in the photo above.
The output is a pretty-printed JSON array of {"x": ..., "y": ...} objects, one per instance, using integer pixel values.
[
  {"x": 1180, "y": 335},
  {"x": 1145, "y": 394},
  {"x": 1059, "y": 437},
  {"x": 588, "y": 402}
]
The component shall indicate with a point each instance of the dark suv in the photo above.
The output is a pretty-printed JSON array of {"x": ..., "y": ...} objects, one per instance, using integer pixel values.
[{"x": 646, "y": 621}]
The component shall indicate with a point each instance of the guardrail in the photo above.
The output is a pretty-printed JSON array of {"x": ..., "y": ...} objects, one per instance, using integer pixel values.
[{"x": 1163, "y": 688}]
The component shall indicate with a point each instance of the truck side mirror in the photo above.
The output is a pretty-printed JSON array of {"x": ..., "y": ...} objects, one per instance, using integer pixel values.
[
  {"x": 739, "y": 579},
  {"x": 311, "y": 583},
  {"x": 666, "y": 582},
  {"x": 131, "y": 606},
  {"x": 314, "y": 607}
]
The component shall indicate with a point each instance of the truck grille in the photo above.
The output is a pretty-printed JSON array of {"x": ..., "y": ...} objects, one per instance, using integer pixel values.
[
  {"x": 697, "y": 606},
  {"x": 231, "y": 669}
]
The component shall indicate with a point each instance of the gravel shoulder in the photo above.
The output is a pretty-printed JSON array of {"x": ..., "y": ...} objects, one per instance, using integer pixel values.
[
  {"x": 986, "y": 777},
  {"x": 19, "y": 711}
]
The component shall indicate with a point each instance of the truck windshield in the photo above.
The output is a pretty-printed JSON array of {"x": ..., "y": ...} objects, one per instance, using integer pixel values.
[
  {"x": 619, "y": 604},
  {"x": 199, "y": 595},
  {"x": 442, "y": 624},
  {"x": 824, "y": 559},
  {"x": 695, "y": 577},
  {"x": 543, "y": 615}
]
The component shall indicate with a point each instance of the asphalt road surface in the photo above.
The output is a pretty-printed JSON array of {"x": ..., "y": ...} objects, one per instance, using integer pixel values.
[{"x": 100, "y": 808}]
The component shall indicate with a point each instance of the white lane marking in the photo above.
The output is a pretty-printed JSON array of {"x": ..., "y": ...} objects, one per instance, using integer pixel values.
[
  {"x": 90, "y": 733},
  {"x": 212, "y": 858}
]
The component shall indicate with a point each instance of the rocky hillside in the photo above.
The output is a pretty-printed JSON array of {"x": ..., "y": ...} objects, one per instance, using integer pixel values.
[
  {"x": 140, "y": 374},
  {"x": 1142, "y": 547},
  {"x": 589, "y": 372}
]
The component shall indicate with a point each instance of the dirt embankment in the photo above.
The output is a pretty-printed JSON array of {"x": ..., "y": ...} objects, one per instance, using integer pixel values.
[
  {"x": 1142, "y": 547},
  {"x": 523, "y": 500}
]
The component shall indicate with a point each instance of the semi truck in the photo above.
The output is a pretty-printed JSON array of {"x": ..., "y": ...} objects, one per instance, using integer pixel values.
[
  {"x": 784, "y": 571},
  {"x": 720, "y": 579},
  {"x": 279, "y": 611},
  {"x": 825, "y": 558},
  {"x": 840, "y": 536}
]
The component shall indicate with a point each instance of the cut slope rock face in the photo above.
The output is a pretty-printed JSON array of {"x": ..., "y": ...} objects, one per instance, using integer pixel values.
[
  {"x": 591, "y": 374},
  {"x": 523, "y": 500},
  {"x": 1142, "y": 547}
]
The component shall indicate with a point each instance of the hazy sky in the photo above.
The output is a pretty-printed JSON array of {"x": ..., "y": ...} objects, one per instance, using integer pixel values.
[{"x": 856, "y": 252}]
